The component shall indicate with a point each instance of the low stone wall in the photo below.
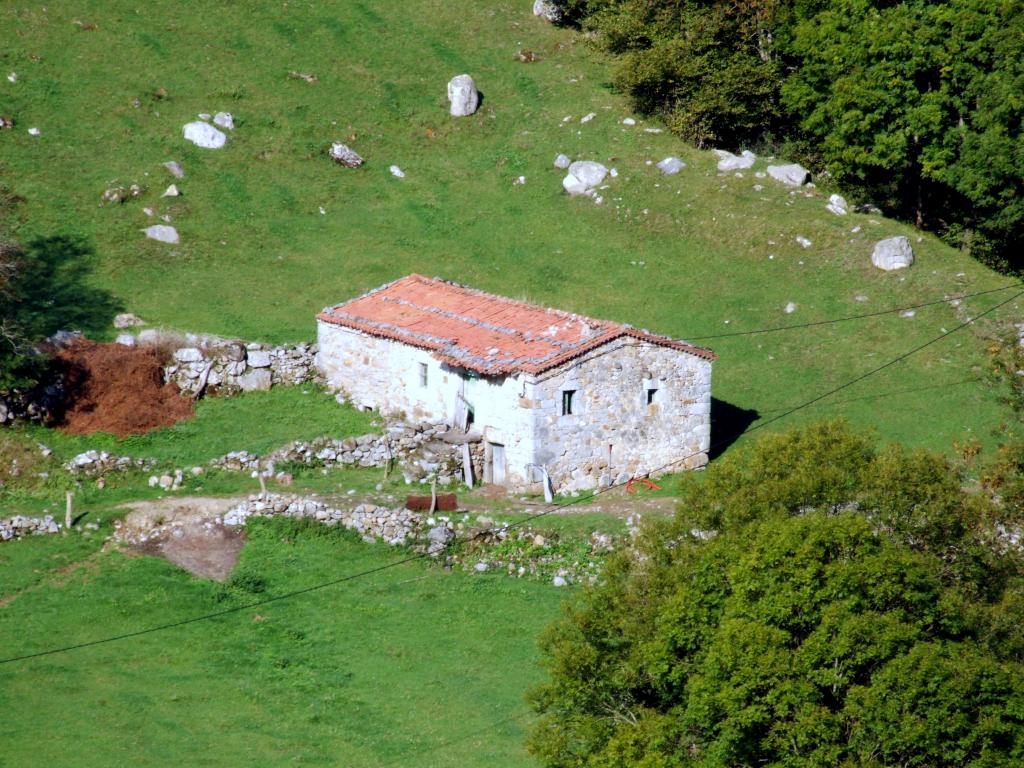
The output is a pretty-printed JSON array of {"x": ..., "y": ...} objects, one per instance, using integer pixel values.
[
  {"x": 395, "y": 526},
  {"x": 419, "y": 451},
  {"x": 18, "y": 526},
  {"x": 234, "y": 366},
  {"x": 93, "y": 463}
]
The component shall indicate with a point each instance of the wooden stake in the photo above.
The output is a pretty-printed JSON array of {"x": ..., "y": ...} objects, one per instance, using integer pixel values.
[
  {"x": 68, "y": 510},
  {"x": 433, "y": 495},
  {"x": 263, "y": 486}
]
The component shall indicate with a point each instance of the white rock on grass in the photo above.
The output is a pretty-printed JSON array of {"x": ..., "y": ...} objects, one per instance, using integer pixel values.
[
  {"x": 463, "y": 95},
  {"x": 175, "y": 168},
  {"x": 671, "y": 165},
  {"x": 204, "y": 135},
  {"x": 583, "y": 176},
  {"x": 628, "y": 121},
  {"x": 34, "y": 131},
  {"x": 344, "y": 155},
  {"x": 172, "y": 191},
  {"x": 559, "y": 581},
  {"x": 837, "y": 205},
  {"x": 792, "y": 175},
  {"x": 588, "y": 117},
  {"x": 892, "y": 253},
  {"x": 804, "y": 242},
  {"x": 790, "y": 308},
  {"x": 397, "y": 172},
  {"x": 224, "y": 120},
  {"x": 162, "y": 233},
  {"x": 547, "y": 11},
  {"x": 727, "y": 161},
  {"x": 127, "y": 320},
  {"x": 562, "y": 161}
]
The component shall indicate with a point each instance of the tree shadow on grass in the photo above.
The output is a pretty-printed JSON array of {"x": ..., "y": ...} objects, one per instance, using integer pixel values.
[{"x": 728, "y": 422}]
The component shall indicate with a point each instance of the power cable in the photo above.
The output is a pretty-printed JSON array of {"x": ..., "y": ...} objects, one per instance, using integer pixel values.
[{"x": 519, "y": 523}]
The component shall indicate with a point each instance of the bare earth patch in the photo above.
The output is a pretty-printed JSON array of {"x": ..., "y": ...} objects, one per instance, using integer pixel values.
[{"x": 187, "y": 532}]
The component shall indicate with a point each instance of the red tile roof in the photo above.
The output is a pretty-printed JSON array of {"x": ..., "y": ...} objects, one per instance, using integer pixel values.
[{"x": 489, "y": 334}]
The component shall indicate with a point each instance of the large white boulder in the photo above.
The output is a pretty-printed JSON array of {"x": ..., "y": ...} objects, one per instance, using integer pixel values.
[
  {"x": 547, "y": 11},
  {"x": 463, "y": 96},
  {"x": 583, "y": 176},
  {"x": 162, "y": 232},
  {"x": 892, "y": 253},
  {"x": 204, "y": 135},
  {"x": 727, "y": 161},
  {"x": 792, "y": 175}
]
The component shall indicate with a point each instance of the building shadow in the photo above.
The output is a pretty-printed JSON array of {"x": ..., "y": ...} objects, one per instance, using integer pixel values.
[{"x": 728, "y": 423}]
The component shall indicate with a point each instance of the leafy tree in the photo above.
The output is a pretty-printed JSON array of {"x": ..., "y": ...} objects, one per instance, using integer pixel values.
[
  {"x": 44, "y": 289},
  {"x": 816, "y": 601}
]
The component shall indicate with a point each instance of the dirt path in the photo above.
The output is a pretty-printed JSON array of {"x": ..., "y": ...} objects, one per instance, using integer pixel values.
[{"x": 185, "y": 531}]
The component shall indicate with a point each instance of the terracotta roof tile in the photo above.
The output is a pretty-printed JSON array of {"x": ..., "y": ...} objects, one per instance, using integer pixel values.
[{"x": 489, "y": 334}]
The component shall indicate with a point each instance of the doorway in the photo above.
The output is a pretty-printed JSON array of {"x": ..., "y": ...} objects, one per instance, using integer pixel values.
[{"x": 497, "y": 463}]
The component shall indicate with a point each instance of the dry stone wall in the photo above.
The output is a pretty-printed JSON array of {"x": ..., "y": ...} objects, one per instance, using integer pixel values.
[
  {"x": 18, "y": 526},
  {"x": 234, "y": 366}
]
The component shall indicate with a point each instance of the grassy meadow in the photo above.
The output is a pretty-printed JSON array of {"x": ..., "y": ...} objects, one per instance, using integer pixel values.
[{"x": 412, "y": 666}]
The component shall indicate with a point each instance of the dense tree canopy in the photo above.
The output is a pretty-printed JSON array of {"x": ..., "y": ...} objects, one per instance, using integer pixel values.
[
  {"x": 916, "y": 105},
  {"x": 817, "y": 601}
]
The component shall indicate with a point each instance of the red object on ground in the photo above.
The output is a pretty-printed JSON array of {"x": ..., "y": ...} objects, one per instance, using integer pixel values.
[
  {"x": 446, "y": 502},
  {"x": 649, "y": 484},
  {"x": 117, "y": 389}
]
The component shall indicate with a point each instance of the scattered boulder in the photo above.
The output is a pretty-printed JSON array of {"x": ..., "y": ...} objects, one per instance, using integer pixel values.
[
  {"x": 224, "y": 120},
  {"x": 343, "y": 155},
  {"x": 790, "y": 308},
  {"x": 893, "y": 253},
  {"x": 588, "y": 117},
  {"x": 837, "y": 205},
  {"x": 803, "y": 241},
  {"x": 547, "y": 11},
  {"x": 162, "y": 233},
  {"x": 307, "y": 76},
  {"x": 583, "y": 176},
  {"x": 727, "y": 161},
  {"x": 175, "y": 168},
  {"x": 562, "y": 161},
  {"x": 463, "y": 95},
  {"x": 397, "y": 172},
  {"x": 671, "y": 166},
  {"x": 127, "y": 320},
  {"x": 6, "y": 122},
  {"x": 628, "y": 121},
  {"x": 171, "y": 191},
  {"x": 34, "y": 131},
  {"x": 792, "y": 175},
  {"x": 204, "y": 135}
]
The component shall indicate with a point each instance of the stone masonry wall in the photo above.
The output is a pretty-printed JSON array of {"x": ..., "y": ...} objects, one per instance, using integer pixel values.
[{"x": 610, "y": 407}]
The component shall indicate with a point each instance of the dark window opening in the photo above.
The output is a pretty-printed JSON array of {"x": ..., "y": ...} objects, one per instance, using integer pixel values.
[
  {"x": 652, "y": 394},
  {"x": 567, "y": 396},
  {"x": 423, "y": 374}
]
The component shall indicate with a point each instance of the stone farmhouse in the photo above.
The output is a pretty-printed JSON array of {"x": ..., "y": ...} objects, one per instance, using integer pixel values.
[{"x": 554, "y": 398}]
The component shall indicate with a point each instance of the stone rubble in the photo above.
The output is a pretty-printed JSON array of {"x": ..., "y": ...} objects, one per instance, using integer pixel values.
[
  {"x": 234, "y": 365},
  {"x": 93, "y": 463},
  {"x": 19, "y": 526}
]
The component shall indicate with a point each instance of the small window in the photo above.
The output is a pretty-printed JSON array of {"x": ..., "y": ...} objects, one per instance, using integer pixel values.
[
  {"x": 423, "y": 374},
  {"x": 652, "y": 395},
  {"x": 567, "y": 398}
]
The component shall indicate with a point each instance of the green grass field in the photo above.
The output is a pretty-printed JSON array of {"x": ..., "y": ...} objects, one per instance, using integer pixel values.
[
  {"x": 687, "y": 255},
  {"x": 413, "y": 666}
]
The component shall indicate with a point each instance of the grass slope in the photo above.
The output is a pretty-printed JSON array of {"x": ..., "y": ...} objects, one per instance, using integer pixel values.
[
  {"x": 410, "y": 667},
  {"x": 692, "y": 255}
]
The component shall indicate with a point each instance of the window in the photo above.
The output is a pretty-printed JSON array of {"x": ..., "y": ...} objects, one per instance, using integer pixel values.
[
  {"x": 567, "y": 397},
  {"x": 652, "y": 395},
  {"x": 423, "y": 374}
]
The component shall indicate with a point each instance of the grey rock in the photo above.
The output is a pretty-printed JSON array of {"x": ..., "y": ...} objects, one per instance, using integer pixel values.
[
  {"x": 125, "y": 340},
  {"x": 671, "y": 166},
  {"x": 127, "y": 320},
  {"x": 547, "y": 11},
  {"x": 892, "y": 253},
  {"x": 162, "y": 233},
  {"x": 463, "y": 95},
  {"x": 255, "y": 380},
  {"x": 837, "y": 205},
  {"x": 792, "y": 175},
  {"x": 583, "y": 176},
  {"x": 727, "y": 161},
  {"x": 175, "y": 168},
  {"x": 344, "y": 155},
  {"x": 559, "y": 581},
  {"x": 172, "y": 191},
  {"x": 397, "y": 172},
  {"x": 562, "y": 161},
  {"x": 204, "y": 135},
  {"x": 188, "y": 355},
  {"x": 259, "y": 359},
  {"x": 224, "y": 120}
]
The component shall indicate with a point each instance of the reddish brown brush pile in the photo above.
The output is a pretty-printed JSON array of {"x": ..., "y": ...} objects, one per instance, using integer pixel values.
[
  {"x": 118, "y": 389},
  {"x": 446, "y": 502}
]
